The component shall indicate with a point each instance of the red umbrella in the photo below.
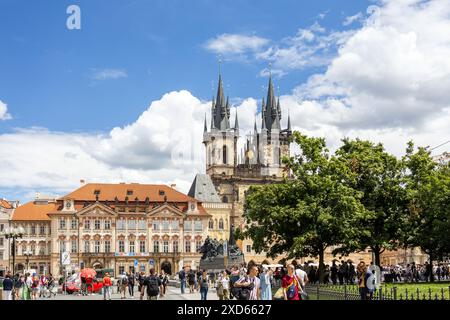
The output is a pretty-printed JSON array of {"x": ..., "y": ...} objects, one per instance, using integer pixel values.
[{"x": 86, "y": 273}]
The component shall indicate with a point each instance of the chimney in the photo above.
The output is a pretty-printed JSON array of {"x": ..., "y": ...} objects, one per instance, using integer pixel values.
[
  {"x": 38, "y": 195},
  {"x": 82, "y": 182},
  {"x": 173, "y": 186}
]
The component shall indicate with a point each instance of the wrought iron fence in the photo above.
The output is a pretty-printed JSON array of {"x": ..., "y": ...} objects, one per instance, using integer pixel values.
[{"x": 351, "y": 292}]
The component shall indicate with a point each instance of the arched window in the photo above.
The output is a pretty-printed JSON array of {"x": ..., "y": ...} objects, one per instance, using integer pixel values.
[
  {"x": 225, "y": 199},
  {"x": 224, "y": 154},
  {"x": 211, "y": 224},
  {"x": 221, "y": 224}
]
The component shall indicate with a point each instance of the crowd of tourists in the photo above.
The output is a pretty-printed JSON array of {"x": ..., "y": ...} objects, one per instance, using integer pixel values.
[
  {"x": 28, "y": 286},
  {"x": 250, "y": 282},
  {"x": 149, "y": 286}
]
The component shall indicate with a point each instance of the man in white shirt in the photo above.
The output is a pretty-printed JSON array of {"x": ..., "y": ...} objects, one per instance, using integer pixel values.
[
  {"x": 374, "y": 269},
  {"x": 252, "y": 277},
  {"x": 303, "y": 276}
]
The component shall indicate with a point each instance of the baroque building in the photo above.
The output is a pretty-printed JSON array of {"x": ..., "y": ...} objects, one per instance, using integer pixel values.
[
  {"x": 6, "y": 209},
  {"x": 124, "y": 227}
]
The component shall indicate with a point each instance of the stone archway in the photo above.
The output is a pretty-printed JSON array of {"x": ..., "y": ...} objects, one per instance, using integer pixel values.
[
  {"x": 167, "y": 267},
  {"x": 97, "y": 265}
]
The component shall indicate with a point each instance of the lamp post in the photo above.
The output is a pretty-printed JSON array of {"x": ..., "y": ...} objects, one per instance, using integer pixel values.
[{"x": 13, "y": 233}]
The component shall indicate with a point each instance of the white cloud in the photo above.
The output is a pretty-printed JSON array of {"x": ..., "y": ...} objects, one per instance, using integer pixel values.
[
  {"x": 235, "y": 45},
  {"x": 351, "y": 19},
  {"x": 4, "y": 115},
  {"x": 108, "y": 74}
]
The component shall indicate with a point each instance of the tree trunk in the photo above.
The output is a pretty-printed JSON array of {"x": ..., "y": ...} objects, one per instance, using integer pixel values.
[
  {"x": 431, "y": 268},
  {"x": 321, "y": 266},
  {"x": 377, "y": 254}
]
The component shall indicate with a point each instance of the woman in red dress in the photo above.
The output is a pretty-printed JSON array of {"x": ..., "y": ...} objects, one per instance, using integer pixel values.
[{"x": 291, "y": 284}]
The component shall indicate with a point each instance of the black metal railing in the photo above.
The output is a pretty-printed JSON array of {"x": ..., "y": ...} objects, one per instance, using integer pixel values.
[{"x": 351, "y": 292}]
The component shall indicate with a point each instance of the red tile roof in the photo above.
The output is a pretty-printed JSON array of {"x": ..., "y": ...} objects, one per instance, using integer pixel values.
[
  {"x": 33, "y": 211},
  {"x": 5, "y": 204}
]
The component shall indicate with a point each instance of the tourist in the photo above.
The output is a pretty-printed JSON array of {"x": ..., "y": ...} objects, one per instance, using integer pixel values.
[
  {"x": 26, "y": 287},
  {"x": 266, "y": 284},
  {"x": 334, "y": 272},
  {"x": 341, "y": 272},
  {"x": 224, "y": 283},
  {"x": 203, "y": 284},
  {"x": 302, "y": 277},
  {"x": 7, "y": 287},
  {"x": 363, "y": 277},
  {"x": 234, "y": 277},
  {"x": 123, "y": 283},
  {"x": 165, "y": 281},
  {"x": 131, "y": 281},
  {"x": 291, "y": 284},
  {"x": 153, "y": 284},
  {"x": 191, "y": 279},
  {"x": 34, "y": 287},
  {"x": 107, "y": 287},
  {"x": 249, "y": 285},
  {"x": 18, "y": 284},
  {"x": 141, "y": 279},
  {"x": 42, "y": 285},
  {"x": 182, "y": 277},
  {"x": 197, "y": 282}
]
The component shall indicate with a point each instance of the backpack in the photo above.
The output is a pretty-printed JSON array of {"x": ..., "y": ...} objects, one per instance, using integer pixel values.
[
  {"x": 290, "y": 291},
  {"x": 124, "y": 281},
  {"x": 243, "y": 293},
  {"x": 152, "y": 286}
]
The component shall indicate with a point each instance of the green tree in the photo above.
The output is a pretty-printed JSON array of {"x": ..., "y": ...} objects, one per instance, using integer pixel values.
[
  {"x": 308, "y": 214},
  {"x": 428, "y": 186},
  {"x": 378, "y": 176}
]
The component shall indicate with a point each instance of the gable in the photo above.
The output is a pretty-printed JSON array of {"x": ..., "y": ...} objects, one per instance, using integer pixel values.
[
  {"x": 96, "y": 210},
  {"x": 166, "y": 211}
]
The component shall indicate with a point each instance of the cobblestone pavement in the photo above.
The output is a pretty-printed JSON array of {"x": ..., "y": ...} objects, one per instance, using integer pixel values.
[{"x": 171, "y": 294}]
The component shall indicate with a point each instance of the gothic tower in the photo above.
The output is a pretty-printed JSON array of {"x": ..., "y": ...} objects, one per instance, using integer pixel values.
[{"x": 221, "y": 140}]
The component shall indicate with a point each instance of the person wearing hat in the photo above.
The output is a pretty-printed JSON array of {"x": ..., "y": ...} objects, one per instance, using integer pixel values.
[{"x": 107, "y": 283}]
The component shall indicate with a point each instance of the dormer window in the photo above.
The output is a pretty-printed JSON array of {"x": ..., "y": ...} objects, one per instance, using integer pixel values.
[
  {"x": 161, "y": 192},
  {"x": 129, "y": 192},
  {"x": 97, "y": 192}
]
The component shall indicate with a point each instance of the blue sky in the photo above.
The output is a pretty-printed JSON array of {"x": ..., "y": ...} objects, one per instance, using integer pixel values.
[
  {"x": 46, "y": 70},
  {"x": 121, "y": 99}
]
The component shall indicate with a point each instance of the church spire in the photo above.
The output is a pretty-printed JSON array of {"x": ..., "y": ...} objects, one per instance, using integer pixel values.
[
  {"x": 289, "y": 129},
  {"x": 236, "y": 121},
  {"x": 263, "y": 115},
  {"x": 206, "y": 126},
  {"x": 213, "y": 114}
]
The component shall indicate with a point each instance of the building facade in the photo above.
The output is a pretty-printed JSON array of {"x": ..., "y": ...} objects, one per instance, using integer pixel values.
[
  {"x": 124, "y": 227},
  {"x": 6, "y": 209}
]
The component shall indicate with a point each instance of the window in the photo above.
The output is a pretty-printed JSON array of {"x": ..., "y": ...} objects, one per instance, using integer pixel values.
[
  {"x": 221, "y": 224},
  {"x": 107, "y": 246},
  {"x": 121, "y": 269},
  {"x": 41, "y": 250},
  {"x": 121, "y": 246},
  {"x": 141, "y": 246},
  {"x": 1, "y": 242},
  {"x": 131, "y": 246},
  {"x": 86, "y": 247},
  {"x": 1, "y": 255},
  {"x": 107, "y": 224},
  {"x": 97, "y": 224},
  {"x": 155, "y": 225},
  {"x": 142, "y": 224},
  {"x": 74, "y": 246},
  {"x": 121, "y": 224},
  {"x": 175, "y": 246},
  {"x": 249, "y": 248},
  {"x": 224, "y": 154},
  {"x": 62, "y": 246},
  {"x": 211, "y": 224},
  {"x": 198, "y": 245},
  {"x": 166, "y": 246},
  {"x": 198, "y": 225},
  {"x": 74, "y": 224},
  {"x": 175, "y": 225},
  {"x": 2, "y": 227},
  {"x": 97, "y": 246},
  {"x": 142, "y": 268},
  {"x": 62, "y": 224},
  {"x": 42, "y": 229},
  {"x": 187, "y": 246},
  {"x": 165, "y": 225},
  {"x": 132, "y": 224},
  {"x": 87, "y": 224},
  {"x": 187, "y": 225},
  {"x": 129, "y": 192},
  {"x": 33, "y": 229},
  {"x": 156, "y": 246}
]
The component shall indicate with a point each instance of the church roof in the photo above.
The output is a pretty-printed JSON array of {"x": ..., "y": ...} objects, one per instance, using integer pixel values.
[{"x": 203, "y": 189}]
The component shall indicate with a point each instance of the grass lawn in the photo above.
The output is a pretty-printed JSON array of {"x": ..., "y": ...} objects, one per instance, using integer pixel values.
[{"x": 424, "y": 288}]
